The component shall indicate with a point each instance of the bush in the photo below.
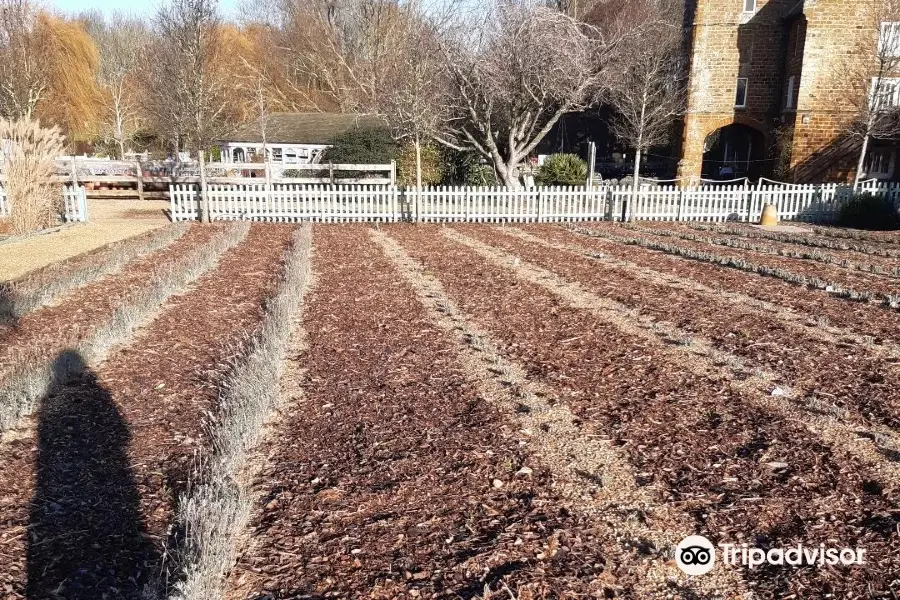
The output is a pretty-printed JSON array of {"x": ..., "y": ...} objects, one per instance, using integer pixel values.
[
  {"x": 562, "y": 169},
  {"x": 432, "y": 165},
  {"x": 867, "y": 211},
  {"x": 482, "y": 175},
  {"x": 29, "y": 157},
  {"x": 362, "y": 147}
]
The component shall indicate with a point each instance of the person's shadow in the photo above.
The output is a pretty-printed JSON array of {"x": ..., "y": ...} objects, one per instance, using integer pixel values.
[{"x": 85, "y": 537}]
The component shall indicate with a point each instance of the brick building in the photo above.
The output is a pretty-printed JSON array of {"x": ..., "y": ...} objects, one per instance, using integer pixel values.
[{"x": 769, "y": 92}]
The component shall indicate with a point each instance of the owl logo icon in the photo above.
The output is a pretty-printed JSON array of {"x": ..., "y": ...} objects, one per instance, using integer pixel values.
[{"x": 695, "y": 555}]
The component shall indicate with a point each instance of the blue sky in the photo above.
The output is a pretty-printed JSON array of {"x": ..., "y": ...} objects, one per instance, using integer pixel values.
[{"x": 137, "y": 8}]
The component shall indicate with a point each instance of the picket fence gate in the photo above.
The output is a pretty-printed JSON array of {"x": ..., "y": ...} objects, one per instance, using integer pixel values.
[
  {"x": 285, "y": 202},
  {"x": 74, "y": 204}
]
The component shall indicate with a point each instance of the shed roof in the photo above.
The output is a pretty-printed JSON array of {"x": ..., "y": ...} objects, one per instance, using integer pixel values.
[{"x": 302, "y": 128}]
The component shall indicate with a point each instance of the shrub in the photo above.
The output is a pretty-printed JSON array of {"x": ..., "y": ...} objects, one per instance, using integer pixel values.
[
  {"x": 478, "y": 174},
  {"x": 432, "y": 165},
  {"x": 29, "y": 164},
  {"x": 867, "y": 211},
  {"x": 562, "y": 169},
  {"x": 362, "y": 146}
]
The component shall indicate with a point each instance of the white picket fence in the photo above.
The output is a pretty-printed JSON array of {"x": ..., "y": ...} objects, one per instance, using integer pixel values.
[
  {"x": 286, "y": 202},
  {"x": 74, "y": 203}
]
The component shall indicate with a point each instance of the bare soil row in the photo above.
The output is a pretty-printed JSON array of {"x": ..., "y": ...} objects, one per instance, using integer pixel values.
[
  {"x": 744, "y": 474},
  {"x": 389, "y": 476},
  {"x": 87, "y": 505},
  {"x": 42, "y": 333},
  {"x": 846, "y": 259},
  {"x": 875, "y": 285},
  {"x": 866, "y": 385}
]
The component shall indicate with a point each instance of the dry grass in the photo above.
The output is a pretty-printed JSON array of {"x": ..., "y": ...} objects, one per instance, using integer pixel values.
[
  {"x": 29, "y": 293},
  {"x": 23, "y": 389},
  {"x": 29, "y": 155},
  {"x": 216, "y": 507}
]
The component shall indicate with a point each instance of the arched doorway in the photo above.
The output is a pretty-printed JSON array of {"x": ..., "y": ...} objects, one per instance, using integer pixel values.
[
  {"x": 238, "y": 155},
  {"x": 734, "y": 151}
]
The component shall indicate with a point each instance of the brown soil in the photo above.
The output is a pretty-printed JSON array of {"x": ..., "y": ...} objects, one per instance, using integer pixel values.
[
  {"x": 380, "y": 482},
  {"x": 867, "y": 319},
  {"x": 865, "y": 385},
  {"x": 113, "y": 449},
  {"x": 706, "y": 451},
  {"x": 42, "y": 333},
  {"x": 846, "y": 278}
]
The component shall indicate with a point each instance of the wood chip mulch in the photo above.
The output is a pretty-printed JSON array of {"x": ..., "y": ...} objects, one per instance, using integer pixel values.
[
  {"x": 856, "y": 280},
  {"x": 41, "y": 333},
  {"x": 864, "y": 385},
  {"x": 744, "y": 475},
  {"x": 86, "y": 506},
  {"x": 866, "y": 319},
  {"x": 388, "y": 476}
]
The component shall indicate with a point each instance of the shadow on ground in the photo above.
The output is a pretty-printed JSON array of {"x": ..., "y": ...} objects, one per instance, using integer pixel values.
[{"x": 86, "y": 538}]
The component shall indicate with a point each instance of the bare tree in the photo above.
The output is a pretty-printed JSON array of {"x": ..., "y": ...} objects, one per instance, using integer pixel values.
[
  {"x": 648, "y": 90},
  {"x": 194, "y": 93},
  {"x": 24, "y": 71},
  {"x": 517, "y": 74},
  {"x": 871, "y": 82},
  {"x": 122, "y": 43}
]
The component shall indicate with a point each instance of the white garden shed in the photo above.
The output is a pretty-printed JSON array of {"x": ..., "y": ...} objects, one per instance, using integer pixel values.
[{"x": 291, "y": 138}]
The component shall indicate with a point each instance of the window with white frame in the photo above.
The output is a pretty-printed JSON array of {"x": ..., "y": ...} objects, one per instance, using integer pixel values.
[
  {"x": 885, "y": 92},
  {"x": 889, "y": 40},
  {"x": 740, "y": 94},
  {"x": 290, "y": 156},
  {"x": 276, "y": 155},
  {"x": 789, "y": 99},
  {"x": 749, "y": 6}
]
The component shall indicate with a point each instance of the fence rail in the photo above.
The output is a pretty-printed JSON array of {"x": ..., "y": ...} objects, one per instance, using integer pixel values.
[
  {"x": 280, "y": 201},
  {"x": 74, "y": 205}
]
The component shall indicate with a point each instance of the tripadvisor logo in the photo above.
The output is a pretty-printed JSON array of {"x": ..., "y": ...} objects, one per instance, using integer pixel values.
[{"x": 696, "y": 555}]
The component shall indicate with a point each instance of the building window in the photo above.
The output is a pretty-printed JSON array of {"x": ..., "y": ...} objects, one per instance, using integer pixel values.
[
  {"x": 889, "y": 41},
  {"x": 880, "y": 163},
  {"x": 290, "y": 156},
  {"x": 740, "y": 96},
  {"x": 749, "y": 6},
  {"x": 276, "y": 155},
  {"x": 789, "y": 99},
  {"x": 885, "y": 93}
]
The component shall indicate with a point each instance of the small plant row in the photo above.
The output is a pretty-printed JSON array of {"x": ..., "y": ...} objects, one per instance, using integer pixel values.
[
  {"x": 832, "y": 288},
  {"x": 742, "y": 244},
  {"x": 216, "y": 507},
  {"x": 856, "y": 234},
  {"x": 23, "y": 388},
  {"x": 813, "y": 241},
  {"x": 29, "y": 293}
]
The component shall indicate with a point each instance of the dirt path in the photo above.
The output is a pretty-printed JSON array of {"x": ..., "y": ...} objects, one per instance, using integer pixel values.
[
  {"x": 108, "y": 221},
  {"x": 741, "y": 472},
  {"x": 391, "y": 477},
  {"x": 114, "y": 447}
]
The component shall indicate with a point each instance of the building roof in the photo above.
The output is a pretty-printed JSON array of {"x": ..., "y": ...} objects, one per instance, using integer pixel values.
[{"x": 302, "y": 128}]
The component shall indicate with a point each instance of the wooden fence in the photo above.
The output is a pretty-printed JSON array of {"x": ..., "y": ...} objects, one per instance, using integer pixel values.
[
  {"x": 289, "y": 202},
  {"x": 74, "y": 207}
]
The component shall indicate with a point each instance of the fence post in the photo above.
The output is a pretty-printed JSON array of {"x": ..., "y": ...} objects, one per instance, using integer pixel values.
[
  {"x": 140, "y": 179},
  {"x": 539, "y": 201},
  {"x": 268, "y": 193},
  {"x": 74, "y": 173},
  {"x": 748, "y": 196},
  {"x": 393, "y": 172},
  {"x": 82, "y": 204},
  {"x": 680, "y": 202}
]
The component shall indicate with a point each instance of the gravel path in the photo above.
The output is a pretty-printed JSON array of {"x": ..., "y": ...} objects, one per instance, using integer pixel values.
[{"x": 108, "y": 221}]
